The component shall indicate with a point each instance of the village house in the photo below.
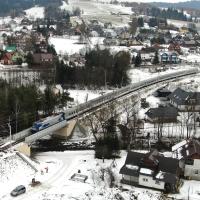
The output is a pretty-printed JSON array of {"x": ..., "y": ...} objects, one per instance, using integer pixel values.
[
  {"x": 151, "y": 170},
  {"x": 162, "y": 115},
  {"x": 10, "y": 48},
  {"x": 43, "y": 59},
  {"x": 6, "y": 59},
  {"x": 185, "y": 101},
  {"x": 188, "y": 152},
  {"x": 189, "y": 43},
  {"x": 169, "y": 57},
  {"x": 110, "y": 42},
  {"x": 163, "y": 93},
  {"x": 174, "y": 47},
  {"x": 147, "y": 55}
]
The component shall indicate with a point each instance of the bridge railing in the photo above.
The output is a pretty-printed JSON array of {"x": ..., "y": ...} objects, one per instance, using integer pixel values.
[
  {"x": 21, "y": 134},
  {"x": 73, "y": 112},
  {"x": 30, "y": 139}
]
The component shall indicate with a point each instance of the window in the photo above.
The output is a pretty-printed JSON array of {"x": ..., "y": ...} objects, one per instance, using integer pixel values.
[
  {"x": 189, "y": 162},
  {"x": 145, "y": 179},
  {"x": 157, "y": 182},
  {"x": 196, "y": 171}
]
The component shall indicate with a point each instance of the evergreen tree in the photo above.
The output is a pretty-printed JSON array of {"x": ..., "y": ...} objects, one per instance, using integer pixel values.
[
  {"x": 140, "y": 22},
  {"x": 49, "y": 101},
  {"x": 29, "y": 58},
  {"x": 138, "y": 60},
  {"x": 156, "y": 58},
  {"x": 108, "y": 146}
]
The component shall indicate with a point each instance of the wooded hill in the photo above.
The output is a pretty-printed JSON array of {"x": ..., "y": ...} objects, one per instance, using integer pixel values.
[{"x": 16, "y": 7}]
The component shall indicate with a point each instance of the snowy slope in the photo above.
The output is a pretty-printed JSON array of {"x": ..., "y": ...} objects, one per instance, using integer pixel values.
[{"x": 35, "y": 12}]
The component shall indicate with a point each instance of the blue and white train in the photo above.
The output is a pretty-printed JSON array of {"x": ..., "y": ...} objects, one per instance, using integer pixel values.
[
  {"x": 82, "y": 108},
  {"x": 47, "y": 122}
]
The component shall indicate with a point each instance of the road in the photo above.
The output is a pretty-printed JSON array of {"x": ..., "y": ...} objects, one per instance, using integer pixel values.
[{"x": 59, "y": 178}]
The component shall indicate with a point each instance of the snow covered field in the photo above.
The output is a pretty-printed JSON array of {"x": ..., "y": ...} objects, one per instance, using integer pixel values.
[
  {"x": 70, "y": 45},
  {"x": 35, "y": 12},
  {"x": 57, "y": 183},
  {"x": 100, "y": 10},
  {"x": 82, "y": 96},
  {"x": 144, "y": 1}
]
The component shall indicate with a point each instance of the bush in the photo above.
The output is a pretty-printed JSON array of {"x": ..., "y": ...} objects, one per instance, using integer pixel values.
[{"x": 107, "y": 148}]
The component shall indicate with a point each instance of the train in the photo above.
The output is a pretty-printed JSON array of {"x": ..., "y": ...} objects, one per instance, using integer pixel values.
[
  {"x": 84, "y": 107},
  {"x": 47, "y": 122}
]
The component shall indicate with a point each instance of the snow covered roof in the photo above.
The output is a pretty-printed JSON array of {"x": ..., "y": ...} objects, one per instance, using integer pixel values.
[
  {"x": 179, "y": 145},
  {"x": 160, "y": 175},
  {"x": 182, "y": 97},
  {"x": 133, "y": 167},
  {"x": 146, "y": 171}
]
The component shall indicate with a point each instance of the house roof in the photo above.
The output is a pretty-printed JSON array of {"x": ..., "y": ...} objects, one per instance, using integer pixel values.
[
  {"x": 166, "y": 177},
  {"x": 169, "y": 165},
  {"x": 153, "y": 156},
  {"x": 163, "y": 90},
  {"x": 134, "y": 159},
  {"x": 189, "y": 42},
  {"x": 162, "y": 113},
  {"x": 11, "y": 48},
  {"x": 191, "y": 148},
  {"x": 166, "y": 169},
  {"x": 43, "y": 56},
  {"x": 7, "y": 56},
  {"x": 182, "y": 97}
]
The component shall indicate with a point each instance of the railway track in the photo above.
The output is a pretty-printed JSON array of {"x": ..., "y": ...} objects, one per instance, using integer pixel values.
[{"x": 93, "y": 104}]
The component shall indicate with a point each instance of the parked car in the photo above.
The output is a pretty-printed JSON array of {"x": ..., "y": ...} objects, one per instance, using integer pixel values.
[{"x": 18, "y": 190}]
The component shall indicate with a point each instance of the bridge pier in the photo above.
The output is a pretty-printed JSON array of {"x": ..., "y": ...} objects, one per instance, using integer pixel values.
[
  {"x": 24, "y": 149},
  {"x": 68, "y": 131}
]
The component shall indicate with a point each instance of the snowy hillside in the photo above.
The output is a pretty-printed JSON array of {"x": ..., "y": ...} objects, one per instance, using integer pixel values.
[{"x": 35, "y": 12}]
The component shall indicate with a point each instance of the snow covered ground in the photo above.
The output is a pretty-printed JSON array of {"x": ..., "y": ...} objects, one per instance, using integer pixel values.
[
  {"x": 70, "y": 45},
  {"x": 144, "y": 1},
  {"x": 82, "y": 96},
  {"x": 35, "y": 12},
  {"x": 58, "y": 185},
  {"x": 100, "y": 10},
  {"x": 137, "y": 75}
]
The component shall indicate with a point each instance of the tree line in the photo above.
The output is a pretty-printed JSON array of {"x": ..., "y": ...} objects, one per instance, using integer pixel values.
[
  {"x": 170, "y": 13},
  {"x": 101, "y": 68},
  {"x": 25, "y": 104},
  {"x": 14, "y": 7}
]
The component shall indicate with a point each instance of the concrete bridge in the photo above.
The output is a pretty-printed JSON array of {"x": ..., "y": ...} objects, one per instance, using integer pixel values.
[{"x": 64, "y": 129}]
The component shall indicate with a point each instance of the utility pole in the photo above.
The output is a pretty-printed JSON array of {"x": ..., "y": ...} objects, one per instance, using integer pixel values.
[
  {"x": 9, "y": 126},
  {"x": 189, "y": 193},
  {"x": 16, "y": 116},
  {"x": 105, "y": 79}
]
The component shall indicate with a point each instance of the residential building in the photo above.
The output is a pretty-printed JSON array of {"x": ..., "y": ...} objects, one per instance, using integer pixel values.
[
  {"x": 188, "y": 151},
  {"x": 43, "y": 58},
  {"x": 169, "y": 57},
  {"x": 162, "y": 115},
  {"x": 185, "y": 101},
  {"x": 151, "y": 170}
]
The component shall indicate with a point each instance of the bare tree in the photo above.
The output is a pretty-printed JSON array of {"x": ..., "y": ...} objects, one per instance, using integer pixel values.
[
  {"x": 96, "y": 121},
  {"x": 129, "y": 127}
]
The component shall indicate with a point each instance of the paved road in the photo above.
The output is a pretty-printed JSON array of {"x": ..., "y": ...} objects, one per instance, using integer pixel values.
[{"x": 69, "y": 160}]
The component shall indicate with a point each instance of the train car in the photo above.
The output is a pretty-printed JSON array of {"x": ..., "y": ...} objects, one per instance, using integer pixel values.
[{"x": 47, "y": 122}]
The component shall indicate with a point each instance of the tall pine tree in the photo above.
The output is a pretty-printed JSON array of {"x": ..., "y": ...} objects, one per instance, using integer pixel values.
[{"x": 138, "y": 60}]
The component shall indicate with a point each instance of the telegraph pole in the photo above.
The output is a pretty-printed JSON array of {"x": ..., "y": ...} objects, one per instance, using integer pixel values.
[
  {"x": 9, "y": 126},
  {"x": 16, "y": 115}
]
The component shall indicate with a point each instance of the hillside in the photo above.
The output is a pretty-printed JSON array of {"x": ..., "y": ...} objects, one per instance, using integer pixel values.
[
  {"x": 16, "y": 7},
  {"x": 187, "y": 4}
]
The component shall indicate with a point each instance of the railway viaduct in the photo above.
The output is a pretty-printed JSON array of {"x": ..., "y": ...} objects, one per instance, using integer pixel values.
[{"x": 22, "y": 141}]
